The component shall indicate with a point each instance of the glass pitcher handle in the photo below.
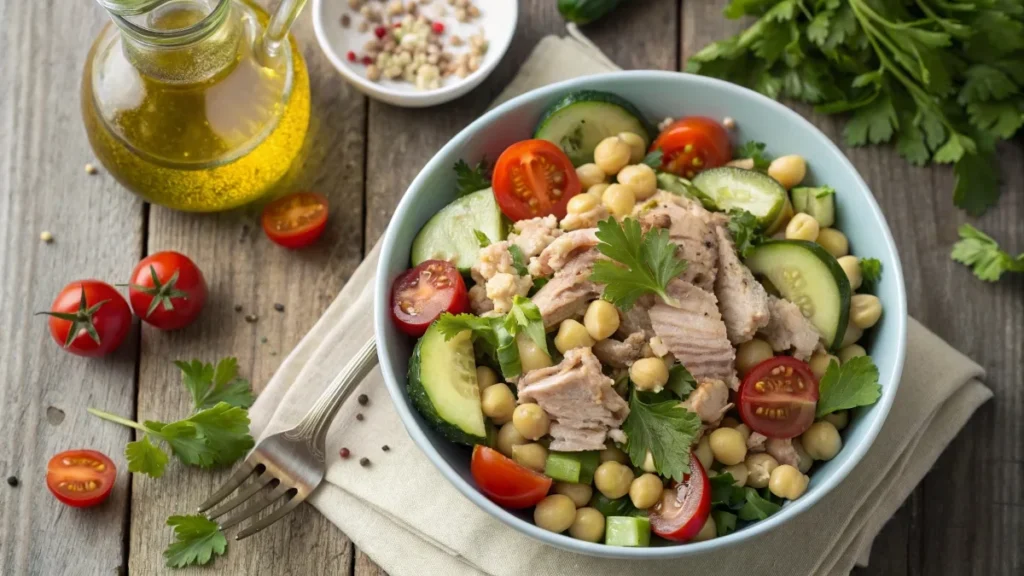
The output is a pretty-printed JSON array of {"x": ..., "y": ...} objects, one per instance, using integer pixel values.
[{"x": 277, "y": 30}]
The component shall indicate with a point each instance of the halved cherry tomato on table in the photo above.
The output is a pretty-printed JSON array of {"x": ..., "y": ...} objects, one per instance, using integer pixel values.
[
  {"x": 693, "y": 144},
  {"x": 684, "y": 507},
  {"x": 295, "y": 220},
  {"x": 420, "y": 295},
  {"x": 89, "y": 318},
  {"x": 778, "y": 397},
  {"x": 534, "y": 178},
  {"x": 80, "y": 478},
  {"x": 504, "y": 481},
  {"x": 167, "y": 290}
]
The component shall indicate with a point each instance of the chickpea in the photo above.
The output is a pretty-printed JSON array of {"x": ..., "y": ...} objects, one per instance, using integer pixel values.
[
  {"x": 588, "y": 525},
  {"x": 865, "y": 310},
  {"x": 637, "y": 146},
  {"x": 804, "y": 460},
  {"x": 751, "y": 353},
  {"x": 703, "y": 453},
  {"x": 822, "y": 441},
  {"x": 641, "y": 179},
  {"x": 555, "y": 513},
  {"x": 485, "y": 377},
  {"x": 834, "y": 242},
  {"x": 645, "y": 491},
  {"x": 851, "y": 336},
  {"x": 649, "y": 374},
  {"x": 533, "y": 456},
  {"x": 530, "y": 355},
  {"x": 597, "y": 190},
  {"x": 613, "y": 454},
  {"x": 612, "y": 154},
  {"x": 802, "y": 227},
  {"x": 590, "y": 174},
  {"x": 619, "y": 200},
  {"x": 601, "y": 319},
  {"x": 729, "y": 422},
  {"x": 838, "y": 419},
  {"x": 819, "y": 363},
  {"x": 572, "y": 334},
  {"x": 851, "y": 265},
  {"x": 648, "y": 465},
  {"x": 498, "y": 403},
  {"x": 728, "y": 446},
  {"x": 508, "y": 437},
  {"x": 788, "y": 170},
  {"x": 850, "y": 352},
  {"x": 531, "y": 421},
  {"x": 759, "y": 469},
  {"x": 581, "y": 204},
  {"x": 613, "y": 479},
  {"x": 745, "y": 163},
  {"x": 744, "y": 430},
  {"x": 580, "y": 494},
  {"x": 787, "y": 482},
  {"x": 707, "y": 532},
  {"x": 739, "y": 473}
]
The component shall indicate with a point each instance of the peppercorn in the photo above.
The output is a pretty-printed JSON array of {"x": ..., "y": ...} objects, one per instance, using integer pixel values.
[
  {"x": 344, "y": 453},
  {"x": 363, "y": 399},
  {"x": 238, "y": 307},
  {"x": 251, "y": 318},
  {"x": 12, "y": 480},
  {"x": 279, "y": 307},
  {"x": 386, "y": 448},
  {"x": 364, "y": 461},
  {"x": 360, "y": 417}
]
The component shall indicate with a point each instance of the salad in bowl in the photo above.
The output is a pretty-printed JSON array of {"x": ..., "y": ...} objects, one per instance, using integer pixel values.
[{"x": 642, "y": 335}]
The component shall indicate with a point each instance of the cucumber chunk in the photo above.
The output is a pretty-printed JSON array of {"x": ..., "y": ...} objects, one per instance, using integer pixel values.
[
  {"x": 682, "y": 187},
  {"x": 730, "y": 187},
  {"x": 579, "y": 121},
  {"x": 450, "y": 235},
  {"x": 817, "y": 202},
  {"x": 628, "y": 531},
  {"x": 443, "y": 387},
  {"x": 574, "y": 467},
  {"x": 807, "y": 275}
]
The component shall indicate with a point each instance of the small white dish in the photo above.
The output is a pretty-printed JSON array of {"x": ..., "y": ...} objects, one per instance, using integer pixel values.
[{"x": 497, "y": 20}]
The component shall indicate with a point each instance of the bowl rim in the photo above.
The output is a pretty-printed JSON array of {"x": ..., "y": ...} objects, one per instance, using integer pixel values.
[
  {"x": 418, "y": 99},
  {"x": 890, "y": 380}
]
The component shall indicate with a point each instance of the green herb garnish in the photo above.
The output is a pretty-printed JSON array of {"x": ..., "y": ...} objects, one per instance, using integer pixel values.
[
  {"x": 853, "y": 384},
  {"x": 982, "y": 253},
  {"x": 643, "y": 263}
]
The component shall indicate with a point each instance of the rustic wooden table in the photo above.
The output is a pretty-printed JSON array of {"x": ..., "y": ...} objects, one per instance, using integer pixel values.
[{"x": 967, "y": 517}]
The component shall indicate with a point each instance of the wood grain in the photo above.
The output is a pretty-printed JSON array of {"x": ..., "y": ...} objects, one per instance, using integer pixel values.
[{"x": 98, "y": 234}]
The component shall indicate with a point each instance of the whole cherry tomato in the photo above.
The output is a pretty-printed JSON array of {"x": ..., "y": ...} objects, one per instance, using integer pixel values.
[
  {"x": 89, "y": 318},
  {"x": 167, "y": 290}
]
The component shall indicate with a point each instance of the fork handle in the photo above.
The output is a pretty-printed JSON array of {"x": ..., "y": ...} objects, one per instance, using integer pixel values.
[{"x": 313, "y": 426}]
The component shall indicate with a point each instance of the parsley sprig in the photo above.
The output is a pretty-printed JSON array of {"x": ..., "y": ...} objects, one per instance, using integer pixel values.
[
  {"x": 853, "y": 384},
  {"x": 755, "y": 151},
  {"x": 744, "y": 228},
  {"x": 495, "y": 336},
  {"x": 660, "y": 425},
  {"x": 196, "y": 540},
  {"x": 470, "y": 179},
  {"x": 642, "y": 262},
  {"x": 981, "y": 252}
]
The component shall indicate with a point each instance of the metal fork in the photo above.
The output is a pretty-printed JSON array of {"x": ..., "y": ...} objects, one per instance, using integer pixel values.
[{"x": 290, "y": 463}]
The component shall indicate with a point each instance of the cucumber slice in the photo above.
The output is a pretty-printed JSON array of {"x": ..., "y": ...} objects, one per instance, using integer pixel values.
[
  {"x": 730, "y": 187},
  {"x": 574, "y": 467},
  {"x": 629, "y": 531},
  {"x": 579, "y": 121},
  {"x": 682, "y": 187},
  {"x": 443, "y": 387},
  {"x": 450, "y": 235},
  {"x": 817, "y": 202},
  {"x": 808, "y": 276}
]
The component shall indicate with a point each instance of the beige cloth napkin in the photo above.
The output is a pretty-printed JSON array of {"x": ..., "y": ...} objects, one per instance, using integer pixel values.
[{"x": 412, "y": 522}]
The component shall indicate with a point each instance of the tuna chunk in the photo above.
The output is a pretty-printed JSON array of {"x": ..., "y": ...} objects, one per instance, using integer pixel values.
[
  {"x": 588, "y": 219},
  {"x": 789, "y": 451},
  {"x": 534, "y": 235},
  {"x": 562, "y": 250},
  {"x": 569, "y": 291},
  {"x": 478, "y": 300},
  {"x": 691, "y": 227},
  {"x": 620, "y": 353},
  {"x": 741, "y": 299},
  {"x": 695, "y": 334},
  {"x": 578, "y": 398},
  {"x": 710, "y": 400},
  {"x": 756, "y": 441},
  {"x": 788, "y": 328},
  {"x": 637, "y": 319}
]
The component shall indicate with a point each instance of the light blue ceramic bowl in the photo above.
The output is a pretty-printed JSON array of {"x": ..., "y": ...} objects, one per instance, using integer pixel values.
[{"x": 658, "y": 95}]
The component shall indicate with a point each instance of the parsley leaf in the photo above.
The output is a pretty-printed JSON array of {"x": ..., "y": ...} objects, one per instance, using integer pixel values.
[
  {"x": 145, "y": 457},
  {"x": 653, "y": 158},
  {"x": 725, "y": 492},
  {"x": 755, "y": 151},
  {"x": 982, "y": 253},
  {"x": 756, "y": 508},
  {"x": 481, "y": 239},
  {"x": 870, "y": 270},
  {"x": 496, "y": 336},
  {"x": 725, "y": 522},
  {"x": 665, "y": 429},
  {"x": 210, "y": 385},
  {"x": 643, "y": 262},
  {"x": 853, "y": 384},
  {"x": 196, "y": 540},
  {"x": 518, "y": 259},
  {"x": 744, "y": 228},
  {"x": 525, "y": 317},
  {"x": 468, "y": 180},
  {"x": 680, "y": 381}
]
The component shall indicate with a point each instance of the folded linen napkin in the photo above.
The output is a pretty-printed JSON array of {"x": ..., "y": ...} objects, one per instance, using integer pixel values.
[{"x": 412, "y": 522}]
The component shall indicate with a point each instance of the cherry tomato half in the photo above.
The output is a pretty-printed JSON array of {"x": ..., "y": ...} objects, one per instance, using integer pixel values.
[
  {"x": 295, "y": 220},
  {"x": 167, "y": 290},
  {"x": 80, "y": 478},
  {"x": 693, "y": 144},
  {"x": 684, "y": 507},
  {"x": 89, "y": 318},
  {"x": 420, "y": 295},
  {"x": 534, "y": 178},
  {"x": 778, "y": 397},
  {"x": 507, "y": 483}
]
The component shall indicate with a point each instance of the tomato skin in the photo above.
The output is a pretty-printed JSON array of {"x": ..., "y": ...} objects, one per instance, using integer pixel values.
[
  {"x": 527, "y": 176},
  {"x": 296, "y": 220},
  {"x": 423, "y": 293},
  {"x": 112, "y": 319},
  {"x": 186, "y": 293},
  {"x": 77, "y": 468},
  {"x": 787, "y": 384},
  {"x": 709, "y": 142},
  {"x": 505, "y": 482},
  {"x": 681, "y": 520}
]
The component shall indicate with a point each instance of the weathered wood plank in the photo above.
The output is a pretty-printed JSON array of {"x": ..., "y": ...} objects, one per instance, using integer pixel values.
[
  {"x": 243, "y": 267},
  {"x": 98, "y": 234}
]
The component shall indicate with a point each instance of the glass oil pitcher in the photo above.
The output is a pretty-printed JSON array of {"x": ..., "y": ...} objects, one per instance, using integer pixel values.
[{"x": 197, "y": 105}]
